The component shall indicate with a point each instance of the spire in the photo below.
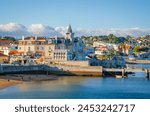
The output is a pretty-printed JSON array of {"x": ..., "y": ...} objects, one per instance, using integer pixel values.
[{"x": 69, "y": 29}]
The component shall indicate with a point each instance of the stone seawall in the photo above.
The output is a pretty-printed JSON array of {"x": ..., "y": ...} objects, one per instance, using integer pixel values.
[
  {"x": 52, "y": 69},
  {"x": 13, "y": 69},
  {"x": 76, "y": 70},
  {"x": 138, "y": 61},
  {"x": 72, "y": 63}
]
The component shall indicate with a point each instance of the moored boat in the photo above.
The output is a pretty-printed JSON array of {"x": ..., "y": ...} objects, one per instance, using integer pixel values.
[{"x": 118, "y": 76}]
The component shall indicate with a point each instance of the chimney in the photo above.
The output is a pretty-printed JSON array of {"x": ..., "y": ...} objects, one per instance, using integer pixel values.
[
  {"x": 35, "y": 37},
  {"x": 56, "y": 39},
  {"x": 22, "y": 37}
]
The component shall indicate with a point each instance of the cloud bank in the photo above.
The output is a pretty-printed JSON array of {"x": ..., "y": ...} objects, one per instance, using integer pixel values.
[{"x": 17, "y": 30}]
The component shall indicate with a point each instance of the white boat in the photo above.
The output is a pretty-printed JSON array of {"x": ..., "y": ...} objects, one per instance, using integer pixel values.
[
  {"x": 132, "y": 58},
  {"x": 119, "y": 76}
]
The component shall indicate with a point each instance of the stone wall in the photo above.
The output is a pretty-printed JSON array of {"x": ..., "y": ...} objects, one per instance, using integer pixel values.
[
  {"x": 76, "y": 70},
  {"x": 22, "y": 68},
  {"x": 52, "y": 69},
  {"x": 72, "y": 63}
]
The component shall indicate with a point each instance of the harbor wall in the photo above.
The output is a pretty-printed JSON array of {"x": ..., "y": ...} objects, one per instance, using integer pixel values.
[
  {"x": 76, "y": 70},
  {"x": 17, "y": 69},
  {"x": 138, "y": 61},
  {"x": 72, "y": 63},
  {"x": 52, "y": 69}
]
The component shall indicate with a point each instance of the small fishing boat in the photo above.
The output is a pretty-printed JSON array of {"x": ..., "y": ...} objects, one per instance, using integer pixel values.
[{"x": 119, "y": 76}]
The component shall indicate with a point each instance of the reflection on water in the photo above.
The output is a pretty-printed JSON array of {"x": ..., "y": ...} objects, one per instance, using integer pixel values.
[
  {"x": 54, "y": 85},
  {"x": 72, "y": 87},
  {"x": 135, "y": 86}
]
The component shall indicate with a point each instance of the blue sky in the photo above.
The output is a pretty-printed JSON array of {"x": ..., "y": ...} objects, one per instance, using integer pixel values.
[
  {"x": 87, "y": 17},
  {"x": 92, "y": 14}
]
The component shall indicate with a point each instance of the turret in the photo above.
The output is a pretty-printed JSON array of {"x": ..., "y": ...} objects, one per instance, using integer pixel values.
[
  {"x": 69, "y": 34},
  {"x": 69, "y": 29}
]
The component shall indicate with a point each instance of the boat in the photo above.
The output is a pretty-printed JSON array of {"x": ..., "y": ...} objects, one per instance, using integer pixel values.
[{"x": 118, "y": 76}]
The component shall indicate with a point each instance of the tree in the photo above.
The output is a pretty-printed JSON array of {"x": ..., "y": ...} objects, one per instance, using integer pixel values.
[
  {"x": 94, "y": 38},
  {"x": 136, "y": 49}
]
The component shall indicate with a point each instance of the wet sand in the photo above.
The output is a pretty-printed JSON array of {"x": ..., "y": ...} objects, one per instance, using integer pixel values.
[
  {"x": 13, "y": 79},
  {"x": 29, "y": 77},
  {"x": 6, "y": 83}
]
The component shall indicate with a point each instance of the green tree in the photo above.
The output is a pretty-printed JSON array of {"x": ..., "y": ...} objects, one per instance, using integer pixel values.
[
  {"x": 94, "y": 38},
  {"x": 136, "y": 49}
]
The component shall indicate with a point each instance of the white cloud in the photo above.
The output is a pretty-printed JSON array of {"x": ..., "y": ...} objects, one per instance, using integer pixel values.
[
  {"x": 116, "y": 31},
  {"x": 61, "y": 29},
  {"x": 42, "y": 30},
  {"x": 17, "y": 30},
  {"x": 11, "y": 27},
  {"x": 14, "y": 29}
]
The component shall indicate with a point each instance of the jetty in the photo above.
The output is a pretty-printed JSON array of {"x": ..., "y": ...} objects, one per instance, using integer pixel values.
[
  {"x": 138, "y": 61},
  {"x": 125, "y": 71}
]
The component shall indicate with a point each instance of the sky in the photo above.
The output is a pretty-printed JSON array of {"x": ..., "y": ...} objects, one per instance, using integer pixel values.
[{"x": 89, "y": 17}]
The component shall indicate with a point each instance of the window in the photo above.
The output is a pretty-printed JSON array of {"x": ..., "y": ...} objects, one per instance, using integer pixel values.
[
  {"x": 29, "y": 43},
  {"x": 29, "y": 48},
  {"x": 37, "y": 48},
  {"x": 42, "y": 48}
]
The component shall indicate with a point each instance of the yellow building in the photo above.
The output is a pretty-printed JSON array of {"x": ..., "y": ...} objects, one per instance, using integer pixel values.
[
  {"x": 4, "y": 58},
  {"x": 51, "y": 49},
  {"x": 36, "y": 45},
  {"x": 31, "y": 45}
]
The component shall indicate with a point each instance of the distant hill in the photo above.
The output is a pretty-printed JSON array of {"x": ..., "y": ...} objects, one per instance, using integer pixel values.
[{"x": 7, "y": 38}]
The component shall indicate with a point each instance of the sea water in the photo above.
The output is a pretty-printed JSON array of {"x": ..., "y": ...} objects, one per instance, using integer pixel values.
[{"x": 135, "y": 86}]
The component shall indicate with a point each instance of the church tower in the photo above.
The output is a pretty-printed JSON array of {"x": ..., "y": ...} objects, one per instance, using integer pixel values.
[{"x": 69, "y": 35}]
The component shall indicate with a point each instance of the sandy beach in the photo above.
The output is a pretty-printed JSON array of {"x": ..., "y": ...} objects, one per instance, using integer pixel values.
[
  {"x": 29, "y": 77},
  {"x": 5, "y": 83},
  {"x": 13, "y": 79}
]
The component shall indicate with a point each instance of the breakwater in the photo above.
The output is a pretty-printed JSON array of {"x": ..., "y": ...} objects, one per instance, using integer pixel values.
[
  {"x": 138, "y": 61},
  {"x": 52, "y": 69},
  {"x": 76, "y": 70},
  {"x": 124, "y": 72}
]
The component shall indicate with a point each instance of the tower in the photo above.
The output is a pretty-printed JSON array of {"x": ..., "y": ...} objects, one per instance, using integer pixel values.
[{"x": 69, "y": 35}]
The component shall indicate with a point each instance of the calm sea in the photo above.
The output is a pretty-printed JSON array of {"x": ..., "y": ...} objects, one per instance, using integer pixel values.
[{"x": 70, "y": 87}]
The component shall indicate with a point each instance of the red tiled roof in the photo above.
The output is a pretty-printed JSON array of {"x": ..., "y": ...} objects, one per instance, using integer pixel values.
[
  {"x": 12, "y": 52},
  {"x": 1, "y": 40},
  {"x": 2, "y": 55}
]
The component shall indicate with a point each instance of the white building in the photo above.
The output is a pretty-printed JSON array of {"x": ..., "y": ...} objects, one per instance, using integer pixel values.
[
  {"x": 53, "y": 49},
  {"x": 68, "y": 47},
  {"x": 109, "y": 45}
]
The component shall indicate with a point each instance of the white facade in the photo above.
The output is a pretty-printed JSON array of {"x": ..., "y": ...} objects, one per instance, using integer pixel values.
[
  {"x": 5, "y": 50},
  {"x": 109, "y": 45},
  {"x": 54, "y": 49},
  {"x": 68, "y": 48}
]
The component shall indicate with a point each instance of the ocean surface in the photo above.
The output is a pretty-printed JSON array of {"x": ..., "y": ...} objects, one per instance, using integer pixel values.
[{"x": 135, "y": 86}]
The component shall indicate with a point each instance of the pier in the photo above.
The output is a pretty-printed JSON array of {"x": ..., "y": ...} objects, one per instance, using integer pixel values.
[
  {"x": 138, "y": 61},
  {"x": 125, "y": 71}
]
